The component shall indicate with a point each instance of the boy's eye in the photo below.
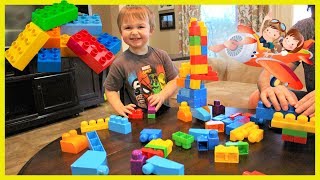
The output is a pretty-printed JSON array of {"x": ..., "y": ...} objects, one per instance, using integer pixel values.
[
  {"x": 127, "y": 27},
  {"x": 140, "y": 27}
]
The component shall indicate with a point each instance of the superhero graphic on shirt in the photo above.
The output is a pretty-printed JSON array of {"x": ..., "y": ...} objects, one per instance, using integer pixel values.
[{"x": 147, "y": 82}]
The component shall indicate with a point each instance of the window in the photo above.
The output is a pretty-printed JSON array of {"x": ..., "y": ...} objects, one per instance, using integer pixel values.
[
  {"x": 221, "y": 23},
  {"x": 300, "y": 12}
]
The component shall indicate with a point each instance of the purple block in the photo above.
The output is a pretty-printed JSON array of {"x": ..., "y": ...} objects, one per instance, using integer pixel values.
[
  {"x": 217, "y": 108},
  {"x": 151, "y": 109},
  {"x": 137, "y": 161}
]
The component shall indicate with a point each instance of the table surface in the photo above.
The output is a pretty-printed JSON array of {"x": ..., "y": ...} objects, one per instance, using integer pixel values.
[{"x": 270, "y": 156}]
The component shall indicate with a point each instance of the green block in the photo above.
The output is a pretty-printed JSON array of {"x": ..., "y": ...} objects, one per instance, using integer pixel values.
[
  {"x": 295, "y": 133},
  {"x": 183, "y": 139},
  {"x": 194, "y": 40},
  {"x": 56, "y": 15},
  {"x": 242, "y": 146},
  {"x": 151, "y": 116}
]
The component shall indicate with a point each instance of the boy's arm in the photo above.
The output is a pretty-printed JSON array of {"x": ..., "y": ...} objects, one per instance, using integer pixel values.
[
  {"x": 165, "y": 93},
  {"x": 280, "y": 96},
  {"x": 114, "y": 99}
]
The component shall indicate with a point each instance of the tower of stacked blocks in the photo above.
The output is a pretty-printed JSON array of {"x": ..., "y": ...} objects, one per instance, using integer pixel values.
[
  {"x": 192, "y": 74},
  {"x": 58, "y": 31}
]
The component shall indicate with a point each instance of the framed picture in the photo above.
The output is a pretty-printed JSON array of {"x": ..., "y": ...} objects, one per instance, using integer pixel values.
[
  {"x": 167, "y": 21},
  {"x": 165, "y": 7}
]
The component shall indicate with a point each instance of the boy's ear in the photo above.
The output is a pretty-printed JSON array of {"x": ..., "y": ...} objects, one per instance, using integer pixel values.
[{"x": 151, "y": 30}]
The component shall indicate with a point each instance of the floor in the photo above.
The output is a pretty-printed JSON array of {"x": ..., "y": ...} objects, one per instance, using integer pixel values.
[{"x": 21, "y": 147}]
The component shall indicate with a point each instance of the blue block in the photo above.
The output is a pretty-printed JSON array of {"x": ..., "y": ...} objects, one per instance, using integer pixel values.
[
  {"x": 90, "y": 23},
  {"x": 202, "y": 143},
  {"x": 256, "y": 120},
  {"x": 262, "y": 112},
  {"x": 161, "y": 166},
  {"x": 112, "y": 43},
  {"x": 198, "y": 93},
  {"x": 119, "y": 124},
  {"x": 90, "y": 163},
  {"x": 94, "y": 141},
  {"x": 49, "y": 60},
  {"x": 147, "y": 135},
  {"x": 224, "y": 118},
  {"x": 199, "y": 132},
  {"x": 233, "y": 126},
  {"x": 200, "y": 113},
  {"x": 204, "y": 50},
  {"x": 184, "y": 92},
  {"x": 187, "y": 82},
  {"x": 213, "y": 139}
]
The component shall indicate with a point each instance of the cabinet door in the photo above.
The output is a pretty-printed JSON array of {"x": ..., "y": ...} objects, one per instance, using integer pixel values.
[
  {"x": 88, "y": 85},
  {"x": 55, "y": 92}
]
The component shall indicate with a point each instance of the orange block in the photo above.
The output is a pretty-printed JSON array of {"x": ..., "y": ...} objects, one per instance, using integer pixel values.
[
  {"x": 184, "y": 113},
  {"x": 54, "y": 39},
  {"x": 180, "y": 82},
  {"x": 73, "y": 143}
]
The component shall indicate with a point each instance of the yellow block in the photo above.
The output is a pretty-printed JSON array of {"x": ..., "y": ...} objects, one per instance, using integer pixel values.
[
  {"x": 290, "y": 121},
  {"x": 199, "y": 69},
  {"x": 94, "y": 125},
  {"x": 64, "y": 49},
  {"x": 228, "y": 154},
  {"x": 195, "y": 50},
  {"x": 255, "y": 135},
  {"x": 26, "y": 46},
  {"x": 243, "y": 131}
]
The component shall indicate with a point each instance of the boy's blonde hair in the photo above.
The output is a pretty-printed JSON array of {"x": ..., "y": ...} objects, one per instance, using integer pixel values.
[{"x": 136, "y": 12}]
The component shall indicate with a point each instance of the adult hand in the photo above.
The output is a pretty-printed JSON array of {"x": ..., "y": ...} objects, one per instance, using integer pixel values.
[
  {"x": 156, "y": 100},
  {"x": 124, "y": 110},
  {"x": 306, "y": 105},
  {"x": 280, "y": 97}
]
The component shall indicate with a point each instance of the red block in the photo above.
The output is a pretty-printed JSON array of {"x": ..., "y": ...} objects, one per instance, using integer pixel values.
[
  {"x": 198, "y": 59},
  {"x": 288, "y": 138},
  {"x": 299, "y": 140},
  {"x": 204, "y": 40},
  {"x": 149, "y": 152},
  {"x": 194, "y": 29},
  {"x": 93, "y": 53},
  {"x": 136, "y": 114},
  {"x": 252, "y": 173},
  {"x": 232, "y": 116},
  {"x": 210, "y": 76}
]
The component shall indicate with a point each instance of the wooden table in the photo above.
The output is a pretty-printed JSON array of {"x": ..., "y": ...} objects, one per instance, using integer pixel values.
[{"x": 270, "y": 156}]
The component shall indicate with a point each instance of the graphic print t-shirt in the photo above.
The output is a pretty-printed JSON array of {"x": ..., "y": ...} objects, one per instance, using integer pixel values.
[{"x": 141, "y": 75}]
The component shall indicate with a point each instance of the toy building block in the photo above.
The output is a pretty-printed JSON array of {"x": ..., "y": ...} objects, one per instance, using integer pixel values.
[
  {"x": 201, "y": 114},
  {"x": 217, "y": 108},
  {"x": 184, "y": 113},
  {"x": 242, "y": 146},
  {"x": 180, "y": 82},
  {"x": 137, "y": 161},
  {"x": 110, "y": 42},
  {"x": 26, "y": 46},
  {"x": 267, "y": 113},
  {"x": 252, "y": 173},
  {"x": 184, "y": 70},
  {"x": 72, "y": 142},
  {"x": 204, "y": 40},
  {"x": 199, "y": 69},
  {"x": 236, "y": 124},
  {"x": 119, "y": 124},
  {"x": 203, "y": 29},
  {"x": 198, "y": 59},
  {"x": 93, "y": 53},
  {"x": 182, "y": 139},
  {"x": 206, "y": 143},
  {"x": 224, "y": 154},
  {"x": 55, "y": 15},
  {"x": 225, "y": 119},
  {"x": 290, "y": 121},
  {"x": 65, "y": 51},
  {"x": 151, "y": 116},
  {"x": 198, "y": 132},
  {"x": 288, "y": 138},
  {"x": 217, "y": 125},
  {"x": 254, "y": 118},
  {"x": 194, "y": 28},
  {"x": 94, "y": 125},
  {"x": 94, "y": 141},
  {"x": 151, "y": 109},
  {"x": 161, "y": 166},
  {"x": 232, "y": 116},
  {"x": 300, "y": 140},
  {"x": 238, "y": 134},
  {"x": 49, "y": 60},
  {"x": 90, "y": 163},
  {"x": 149, "y": 152},
  {"x": 54, "y": 38},
  {"x": 147, "y": 135},
  {"x": 136, "y": 114},
  {"x": 294, "y": 133},
  {"x": 92, "y": 24},
  {"x": 210, "y": 76},
  {"x": 255, "y": 135},
  {"x": 159, "y": 144},
  {"x": 194, "y": 40}
]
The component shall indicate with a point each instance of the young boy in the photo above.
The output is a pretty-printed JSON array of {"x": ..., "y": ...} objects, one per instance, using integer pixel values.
[{"x": 146, "y": 74}]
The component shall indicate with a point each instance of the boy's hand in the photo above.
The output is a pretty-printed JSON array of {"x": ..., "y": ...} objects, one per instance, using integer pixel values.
[
  {"x": 306, "y": 105},
  {"x": 156, "y": 100},
  {"x": 280, "y": 96},
  {"x": 124, "y": 110}
]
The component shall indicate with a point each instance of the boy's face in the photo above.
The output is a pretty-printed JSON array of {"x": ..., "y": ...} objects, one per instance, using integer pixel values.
[
  {"x": 270, "y": 34},
  {"x": 136, "y": 33},
  {"x": 289, "y": 43}
]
